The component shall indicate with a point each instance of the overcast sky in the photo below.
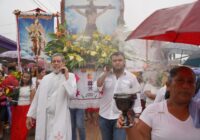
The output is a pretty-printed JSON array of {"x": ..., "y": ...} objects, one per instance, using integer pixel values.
[{"x": 135, "y": 11}]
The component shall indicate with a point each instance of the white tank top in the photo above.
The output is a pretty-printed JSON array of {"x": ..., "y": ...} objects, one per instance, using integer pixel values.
[{"x": 24, "y": 95}]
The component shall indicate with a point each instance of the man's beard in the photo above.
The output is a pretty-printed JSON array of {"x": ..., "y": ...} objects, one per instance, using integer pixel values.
[{"x": 119, "y": 70}]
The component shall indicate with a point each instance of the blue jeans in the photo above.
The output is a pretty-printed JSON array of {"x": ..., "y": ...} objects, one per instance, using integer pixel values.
[
  {"x": 78, "y": 123},
  {"x": 109, "y": 131}
]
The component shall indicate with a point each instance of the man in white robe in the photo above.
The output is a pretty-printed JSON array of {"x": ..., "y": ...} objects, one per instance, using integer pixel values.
[{"x": 50, "y": 106}]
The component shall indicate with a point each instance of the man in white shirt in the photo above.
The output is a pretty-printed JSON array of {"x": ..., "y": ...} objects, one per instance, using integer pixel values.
[
  {"x": 150, "y": 91},
  {"x": 50, "y": 106},
  {"x": 114, "y": 81}
]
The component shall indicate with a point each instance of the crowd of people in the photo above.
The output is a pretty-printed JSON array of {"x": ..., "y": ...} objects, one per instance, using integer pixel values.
[
  {"x": 171, "y": 111},
  {"x": 17, "y": 92}
]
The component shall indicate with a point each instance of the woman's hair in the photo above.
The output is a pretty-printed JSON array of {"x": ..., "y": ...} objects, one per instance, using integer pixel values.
[
  {"x": 30, "y": 80},
  {"x": 167, "y": 94},
  {"x": 172, "y": 73}
]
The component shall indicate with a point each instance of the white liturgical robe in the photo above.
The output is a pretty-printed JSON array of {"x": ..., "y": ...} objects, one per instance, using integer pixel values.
[{"x": 50, "y": 107}]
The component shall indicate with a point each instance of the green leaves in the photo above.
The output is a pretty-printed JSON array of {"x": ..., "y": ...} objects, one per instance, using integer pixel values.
[{"x": 81, "y": 51}]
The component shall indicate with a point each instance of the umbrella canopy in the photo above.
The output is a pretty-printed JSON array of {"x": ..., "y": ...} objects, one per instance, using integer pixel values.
[
  {"x": 175, "y": 24},
  {"x": 13, "y": 55}
]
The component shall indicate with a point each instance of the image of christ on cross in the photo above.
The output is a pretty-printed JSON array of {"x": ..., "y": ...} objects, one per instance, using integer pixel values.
[{"x": 91, "y": 14}]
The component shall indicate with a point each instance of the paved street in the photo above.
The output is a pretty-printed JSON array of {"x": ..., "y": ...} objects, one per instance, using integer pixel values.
[
  {"x": 7, "y": 135},
  {"x": 92, "y": 131}
]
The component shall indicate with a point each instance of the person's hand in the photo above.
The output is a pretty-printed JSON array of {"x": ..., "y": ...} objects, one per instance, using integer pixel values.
[
  {"x": 107, "y": 69},
  {"x": 120, "y": 121},
  {"x": 147, "y": 93},
  {"x": 30, "y": 122},
  {"x": 64, "y": 70},
  {"x": 132, "y": 120}
]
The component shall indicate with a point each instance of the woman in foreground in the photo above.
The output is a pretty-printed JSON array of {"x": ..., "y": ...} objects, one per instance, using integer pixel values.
[{"x": 170, "y": 119}]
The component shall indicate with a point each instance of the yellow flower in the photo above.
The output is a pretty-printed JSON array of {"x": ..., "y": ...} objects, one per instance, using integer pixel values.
[
  {"x": 16, "y": 74},
  {"x": 88, "y": 52},
  {"x": 65, "y": 49},
  {"x": 68, "y": 43},
  {"x": 50, "y": 52},
  {"x": 75, "y": 48},
  {"x": 7, "y": 91},
  {"x": 93, "y": 53},
  {"x": 97, "y": 47},
  {"x": 78, "y": 58},
  {"x": 103, "y": 54},
  {"x": 71, "y": 57},
  {"x": 74, "y": 37},
  {"x": 81, "y": 49},
  {"x": 95, "y": 35},
  {"x": 108, "y": 38},
  {"x": 101, "y": 60}
]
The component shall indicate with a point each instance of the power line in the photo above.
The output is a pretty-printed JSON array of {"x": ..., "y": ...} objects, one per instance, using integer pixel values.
[
  {"x": 43, "y": 5},
  {"x": 37, "y": 4}
]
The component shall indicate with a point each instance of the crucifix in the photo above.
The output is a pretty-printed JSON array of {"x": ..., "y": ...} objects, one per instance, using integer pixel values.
[{"x": 91, "y": 14}]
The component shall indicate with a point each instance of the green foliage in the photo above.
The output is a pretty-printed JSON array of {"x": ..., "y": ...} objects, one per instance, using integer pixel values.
[{"x": 81, "y": 51}]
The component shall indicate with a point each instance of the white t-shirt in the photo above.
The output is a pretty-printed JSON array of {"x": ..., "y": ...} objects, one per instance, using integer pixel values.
[
  {"x": 127, "y": 82},
  {"x": 24, "y": 95},
  {"x": 165, "y": 126}
]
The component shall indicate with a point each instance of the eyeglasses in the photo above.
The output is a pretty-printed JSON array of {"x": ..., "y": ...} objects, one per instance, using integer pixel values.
[{"x": 56, "y": 61}]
